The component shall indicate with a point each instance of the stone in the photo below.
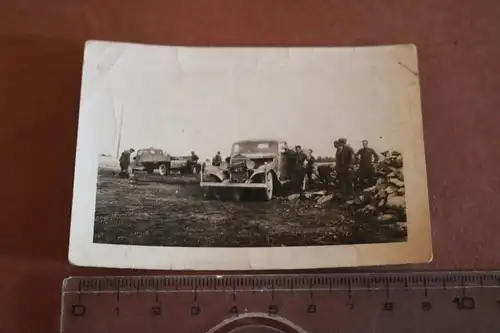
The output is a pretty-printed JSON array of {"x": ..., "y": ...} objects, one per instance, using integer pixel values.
[
  {"x": 359, "y": 200},
  {"x": 369, "y": 207},
  {"x": 402, "y": 225},
  {"x": 396, "y": 182},
  {"x": 390, "y": 190},
  {"x": 397, "y": 202},
  {"x": 293, "y": 197},
  {"x": 324, "y": 200},
  {"x": 381, "y": 194},
  {"x": 308, "y": 195},
  {"x": 370, "y": 189},
  {"x": 385, "y": 218},
  {"x": 381, "y": 203},
  {"x": 401, "y": 191}
]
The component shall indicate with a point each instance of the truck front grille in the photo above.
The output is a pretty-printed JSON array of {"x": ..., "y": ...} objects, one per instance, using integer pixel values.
[{"x": 239, "y": 177}]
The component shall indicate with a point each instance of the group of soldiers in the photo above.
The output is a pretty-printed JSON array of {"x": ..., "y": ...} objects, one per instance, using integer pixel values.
[
  {"x": 125, "y": 161},
  {"x": 302, "y": 168},
  {"x": 346, "y": 160}
]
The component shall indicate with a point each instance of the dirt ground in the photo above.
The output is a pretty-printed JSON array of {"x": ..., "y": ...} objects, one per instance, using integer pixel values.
[{"x": 173, "y": 211}]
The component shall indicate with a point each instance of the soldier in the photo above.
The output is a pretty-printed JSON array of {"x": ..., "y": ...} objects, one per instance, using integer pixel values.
[
  {"x": 309, "y": 167},
  {"x": 366, "y": 157},
  {"x": 194, "y": 157},
  {"x": 345, "y": 167},
  {"x": 125, "y": 169},
  {"x": 289, "y": 158},
  {"x": 194, "y": 162},
  {"x": 285, "y": 156},
  {"x": 204, "y": 165},
  {"x": 338, "y": 149},
  {"x": 299, "y": 171},
  {"x": 217, "y": 160}
]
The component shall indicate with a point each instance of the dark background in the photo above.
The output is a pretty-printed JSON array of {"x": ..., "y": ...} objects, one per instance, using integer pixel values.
[{"x": 41, "y": 47}]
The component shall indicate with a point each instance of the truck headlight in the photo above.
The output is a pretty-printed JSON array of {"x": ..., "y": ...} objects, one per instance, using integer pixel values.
[{"x": 250, "y": 164}]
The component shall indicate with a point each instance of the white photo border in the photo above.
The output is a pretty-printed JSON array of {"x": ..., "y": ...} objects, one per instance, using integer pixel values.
[{"x": 418, "y": 248}]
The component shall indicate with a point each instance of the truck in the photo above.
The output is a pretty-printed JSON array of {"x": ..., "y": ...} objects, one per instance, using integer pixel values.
[
  {"x": 151, "y": 159},
  {"x": 262, "y": 166}
]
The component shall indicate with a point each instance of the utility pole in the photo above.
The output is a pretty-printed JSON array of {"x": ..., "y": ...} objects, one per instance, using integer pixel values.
[{"x": 119, "y": 134}]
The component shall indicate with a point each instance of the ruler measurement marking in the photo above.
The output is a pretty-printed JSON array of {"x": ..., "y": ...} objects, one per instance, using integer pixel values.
[
  {"x": 498, "y": 285},
  {"x": 462, "y": 282},
  {"x": 275, "y": 289},
  {"x": 458, "y": 284},
  {"x": 291, "y": 286},
  {"x": 79, "y": 295},
  {"x": 186, "y": 281},
  {"x": 157, "y": 294}
]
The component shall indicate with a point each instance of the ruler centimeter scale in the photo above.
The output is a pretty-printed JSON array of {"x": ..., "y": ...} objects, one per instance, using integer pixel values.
[{"x": 313, "y": 303}]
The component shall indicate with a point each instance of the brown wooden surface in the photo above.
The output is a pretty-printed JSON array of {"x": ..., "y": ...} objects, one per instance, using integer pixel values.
[{"x": 41, "y": 45}]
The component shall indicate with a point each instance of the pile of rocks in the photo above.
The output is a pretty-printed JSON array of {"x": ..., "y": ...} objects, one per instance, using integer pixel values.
[{"x": 385, "y": 201}]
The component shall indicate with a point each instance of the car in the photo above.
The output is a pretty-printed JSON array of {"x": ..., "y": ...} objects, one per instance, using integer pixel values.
[
  {"x": 262, "y": 165},
  {"x": 185, "y": 165},
  {"x": 151, "y": 159}
]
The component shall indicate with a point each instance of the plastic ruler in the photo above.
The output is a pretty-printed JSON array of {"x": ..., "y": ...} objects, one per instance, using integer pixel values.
[{"x": 315, "y": 303}]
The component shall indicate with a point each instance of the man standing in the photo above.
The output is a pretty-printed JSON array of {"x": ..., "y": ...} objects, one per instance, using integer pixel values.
[
  {"x": 299, "y": 168},
  {"x": 285, "y": 157},
  {"x": 125, "y": 162},
  {"x": 338, "y": 149},
  {"x": 366, "y": 157},
  {"x": 345, "y": 167},
  {"x": 194, "y": 157},
  {"x": 309, "y": 167},
  {"x": 193, "y": 163},
  {"x": 217, "y": 160}
]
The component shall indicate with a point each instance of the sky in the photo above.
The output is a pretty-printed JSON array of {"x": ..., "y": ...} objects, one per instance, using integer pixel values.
[{"x": 203, "y": 99}]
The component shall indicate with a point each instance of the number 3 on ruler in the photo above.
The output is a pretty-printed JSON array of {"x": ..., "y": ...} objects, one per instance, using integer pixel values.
[{"x": 465, "y": 303}]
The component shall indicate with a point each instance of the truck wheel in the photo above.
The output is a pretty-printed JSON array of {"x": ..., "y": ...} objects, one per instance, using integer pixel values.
[
  {"x": 164, "y": 169},
  {"x": 269, "y": 191}
]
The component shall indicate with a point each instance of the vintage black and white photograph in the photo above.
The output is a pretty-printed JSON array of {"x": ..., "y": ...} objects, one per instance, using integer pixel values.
[{"x": 249, "y": 158}]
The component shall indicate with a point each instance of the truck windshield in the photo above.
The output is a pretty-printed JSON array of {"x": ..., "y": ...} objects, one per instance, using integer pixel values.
[{"x": 255, "y": 147}]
